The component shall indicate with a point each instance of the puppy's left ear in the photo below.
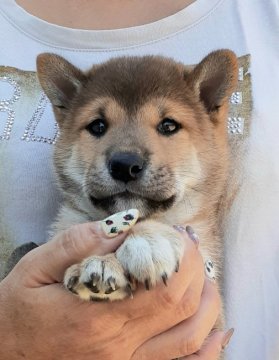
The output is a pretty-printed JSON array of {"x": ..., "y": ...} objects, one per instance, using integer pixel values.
[
  {"x": 60, "y": 80},
  {"x": 214, "y": 79}
]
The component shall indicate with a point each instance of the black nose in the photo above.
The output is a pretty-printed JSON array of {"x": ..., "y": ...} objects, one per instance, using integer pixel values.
[{"x": 126, "y": 166}]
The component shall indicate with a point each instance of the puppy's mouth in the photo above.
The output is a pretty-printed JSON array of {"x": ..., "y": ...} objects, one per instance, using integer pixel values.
[{"x": 127, "y": 200}]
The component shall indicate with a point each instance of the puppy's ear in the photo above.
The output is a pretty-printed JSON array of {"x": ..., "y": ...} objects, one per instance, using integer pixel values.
[
  {"x": 59, "y": 79},
  {"x": 214, "y": 79}
]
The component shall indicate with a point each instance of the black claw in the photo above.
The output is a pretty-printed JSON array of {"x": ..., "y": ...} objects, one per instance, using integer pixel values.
[
  {"x": 165, "y": 279},
  {"x": 128, "y": 276},
  {"x": 129, "y": 290},
  {"x": 92, "y": 284},
  {"x": 109, "y": 291},
  {"x": 91, "y": 287},
  {"x": 72, "y": 283},
  {"x": 95, "y": 278},
  {"x": 147, "y": 284},
  {"x": 177, "y": 267},
  {"x": 111, "y": 282}
]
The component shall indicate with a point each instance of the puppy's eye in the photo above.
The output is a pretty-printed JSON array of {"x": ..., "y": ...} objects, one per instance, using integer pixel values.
[
  {"x": 168, "y": 127},
  {"x": 97, "y": 128}
]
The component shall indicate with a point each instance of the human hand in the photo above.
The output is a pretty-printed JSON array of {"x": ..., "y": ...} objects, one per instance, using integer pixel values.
[
  {"x": 41, "y": 320},
  {"x": 190, "y": 337},
  {"x": 212, "y": 347}
]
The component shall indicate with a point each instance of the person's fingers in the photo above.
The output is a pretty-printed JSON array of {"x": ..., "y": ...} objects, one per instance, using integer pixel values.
[
  {"x": 150, "y": 305},
  {"x": 165, "y": 298},
  {"x": 47, "y": 263},
  {"x": 151, "y": 312},
  {"x": 161, "y": 307},
  {"x": 188, "y": 336},
  {"x": 212, "y": 347}
]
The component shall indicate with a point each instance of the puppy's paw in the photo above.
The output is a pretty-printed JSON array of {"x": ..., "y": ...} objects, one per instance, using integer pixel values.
[
  {"x": 151, "y": 253},
  {"x": 98, "y": 278}
]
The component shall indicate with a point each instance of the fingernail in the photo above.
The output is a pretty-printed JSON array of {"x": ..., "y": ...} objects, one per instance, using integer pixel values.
[
  {"x": 210, "y": 270},
  {"x": 192, "y": 235},
  {"x": 227, "y": 338},
  {"x": 180, "y": 228},
  {"x": 119, "y": 222}
]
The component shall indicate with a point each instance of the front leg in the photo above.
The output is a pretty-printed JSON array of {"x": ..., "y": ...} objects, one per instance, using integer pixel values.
[
  {"x": 98, "y": 278},
  {"x": 151, "y": 253},
  {"x": 103, "y": 277}
]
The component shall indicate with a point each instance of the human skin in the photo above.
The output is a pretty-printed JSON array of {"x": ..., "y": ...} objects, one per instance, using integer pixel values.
[
  {"x": 100, "y": 14},
  {"x": 42, "y": 320}
]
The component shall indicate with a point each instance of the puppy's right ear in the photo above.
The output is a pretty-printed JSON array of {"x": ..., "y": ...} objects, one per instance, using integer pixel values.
[{"x": 60, "y": 80}]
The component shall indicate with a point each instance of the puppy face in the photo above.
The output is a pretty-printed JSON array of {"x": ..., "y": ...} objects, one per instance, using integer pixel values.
[{"x": 142, "y": 132}]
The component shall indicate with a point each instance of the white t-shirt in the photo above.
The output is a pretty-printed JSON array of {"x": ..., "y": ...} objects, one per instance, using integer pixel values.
[{"x": 29, "y": 199}]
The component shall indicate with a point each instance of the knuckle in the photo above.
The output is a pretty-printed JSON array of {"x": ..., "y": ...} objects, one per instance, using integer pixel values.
[
  {"x": 167, "y": 300},
  {"x": 190, "y": 346},
  {"x": 25, "y": 264},
  {"x": 74, "y": 240},
  {"x": 68, "y": 240},
  {"x": 190, "y": 302},
  {"x": 189, "y": 306}
]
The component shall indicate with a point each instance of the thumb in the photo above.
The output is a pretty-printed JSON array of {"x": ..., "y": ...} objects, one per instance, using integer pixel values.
[{"x": 47, "y": 263}]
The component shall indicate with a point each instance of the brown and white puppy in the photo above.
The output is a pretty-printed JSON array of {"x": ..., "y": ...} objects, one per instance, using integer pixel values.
[{"x": 146, "y": 133}]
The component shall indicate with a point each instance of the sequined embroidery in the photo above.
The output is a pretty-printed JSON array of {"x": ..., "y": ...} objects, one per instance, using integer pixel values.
[
  {"x": 27, "y": 97},
  {"x": 5, "y": 107},
  {"x": 235, "y": 125},
  {"x": 25, "y": 83},
  {"x": 240, "y": 103},
  {"x": 30, "y": 130},
  {"x": 236, "y": 98}
]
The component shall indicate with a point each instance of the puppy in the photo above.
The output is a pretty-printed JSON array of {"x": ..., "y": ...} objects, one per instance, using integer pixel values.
[{"x": 143, "y": 133}]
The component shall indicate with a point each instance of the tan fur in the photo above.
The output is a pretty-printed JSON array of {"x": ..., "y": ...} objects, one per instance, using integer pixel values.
[{"x": 134, "y": 95}]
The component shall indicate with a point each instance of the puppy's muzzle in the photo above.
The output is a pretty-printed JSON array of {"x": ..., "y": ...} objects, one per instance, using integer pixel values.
[{"x": 126, "y": 166}]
